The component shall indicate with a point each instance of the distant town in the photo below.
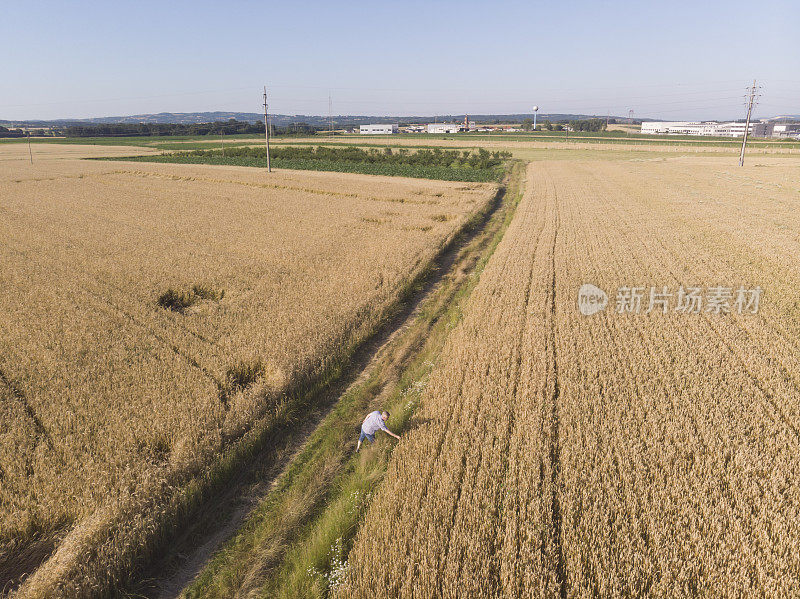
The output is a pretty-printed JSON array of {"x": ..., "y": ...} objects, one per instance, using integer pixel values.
[
  {"x": 768, "y": 128},
  {"x": 779, "y": 127},
  {"x": 165, "y": 124}
]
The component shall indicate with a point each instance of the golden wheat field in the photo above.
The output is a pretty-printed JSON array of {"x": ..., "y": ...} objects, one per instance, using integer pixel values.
[
  {"x": 109, "y": 401},
  {"x": 647, "y": 449},
  {"x": 17, "y": 155}
]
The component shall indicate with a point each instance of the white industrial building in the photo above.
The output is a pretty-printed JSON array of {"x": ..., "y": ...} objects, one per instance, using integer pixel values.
[
  {"x": 378, "y": 129},
  {"x": 444, "y": 128},
  {"x": 786, "y": 130},
  {"x": 729, "y": 129}
]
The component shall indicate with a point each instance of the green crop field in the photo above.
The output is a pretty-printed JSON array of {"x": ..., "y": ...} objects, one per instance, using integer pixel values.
[{"x": 446, "y": 165}]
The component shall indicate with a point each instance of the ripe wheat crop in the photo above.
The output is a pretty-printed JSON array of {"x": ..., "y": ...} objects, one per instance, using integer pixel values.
[
  {"x": 150, "y": 314},
  {"x": 617, "y": 454}
]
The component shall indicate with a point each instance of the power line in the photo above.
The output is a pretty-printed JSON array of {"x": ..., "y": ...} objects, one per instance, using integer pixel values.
[
  {"x": 566, "y": 100},
  {"x": 376, "y": 89},
  {"x": 521, "y": 91}
]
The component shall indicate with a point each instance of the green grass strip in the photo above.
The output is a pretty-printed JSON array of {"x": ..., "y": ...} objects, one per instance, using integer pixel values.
[{"x": 443, "y": 173}]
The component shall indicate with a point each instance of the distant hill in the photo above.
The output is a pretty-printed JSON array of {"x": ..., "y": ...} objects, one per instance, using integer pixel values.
[
  {"x": 188, "y": 118},
  {"x": 281, "y": 120},
  {"x": 182, "y": 118}
]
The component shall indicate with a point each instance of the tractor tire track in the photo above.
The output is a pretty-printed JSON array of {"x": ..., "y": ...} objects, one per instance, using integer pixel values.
[{"x": 555, "y": 448}]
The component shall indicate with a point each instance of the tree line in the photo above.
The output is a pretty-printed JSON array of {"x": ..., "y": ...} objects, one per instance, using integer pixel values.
[
  {"x": 229, "y": 127},
  {"x": 6, "y": 132},
  {"x": 575, "y": 125}
]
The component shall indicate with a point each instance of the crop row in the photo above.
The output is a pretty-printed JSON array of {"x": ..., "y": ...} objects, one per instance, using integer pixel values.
[{"x": 609, "y": 455}]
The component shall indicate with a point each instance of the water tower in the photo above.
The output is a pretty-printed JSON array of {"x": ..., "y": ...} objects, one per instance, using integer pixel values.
[{"x": 535, "y": 111}]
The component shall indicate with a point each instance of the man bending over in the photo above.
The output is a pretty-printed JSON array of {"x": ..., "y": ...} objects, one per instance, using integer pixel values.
[{"x": 374, "y": 421}]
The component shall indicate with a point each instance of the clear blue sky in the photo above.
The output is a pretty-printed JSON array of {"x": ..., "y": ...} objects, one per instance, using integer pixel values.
[{"x": 677, "y": 60}]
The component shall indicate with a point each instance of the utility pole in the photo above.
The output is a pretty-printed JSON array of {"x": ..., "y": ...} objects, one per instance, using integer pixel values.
[
  {"x": 266, "y": 129},
  {"x": 752, "y": 99},
  {"x": 30, "y": 152},
  {"x": 223, "y": 143}
]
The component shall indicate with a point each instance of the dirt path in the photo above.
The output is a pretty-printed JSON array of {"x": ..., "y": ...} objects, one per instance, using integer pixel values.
[{"x": 221, "y": 517}]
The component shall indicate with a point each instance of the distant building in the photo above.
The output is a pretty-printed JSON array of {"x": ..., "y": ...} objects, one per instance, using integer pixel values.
[
  {"x": 728, "y": 129},
  {"x": 775, "y": 129},
  {"x": 444, "y": 128},
  {"x": 786, "y": 130},
  {"x": 379, "y": 129}
]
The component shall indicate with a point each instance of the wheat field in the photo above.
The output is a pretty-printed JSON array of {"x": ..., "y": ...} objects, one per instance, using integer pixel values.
[
  {"x": 110, "y": 400},
  {"x": 649, "y": 452}
]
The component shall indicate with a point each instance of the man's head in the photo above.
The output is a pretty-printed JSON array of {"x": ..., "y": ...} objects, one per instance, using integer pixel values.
[{"x": 385, "y": 415}]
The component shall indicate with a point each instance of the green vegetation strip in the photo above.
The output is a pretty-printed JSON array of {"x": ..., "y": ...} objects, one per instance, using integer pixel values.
[
  {"x": 295, "y": 544},
  {"x": 418, "y": 172},
  {"x": 448, "y": 165}
]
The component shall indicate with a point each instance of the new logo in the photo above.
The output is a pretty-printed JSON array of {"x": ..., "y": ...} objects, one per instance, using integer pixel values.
[{"x": 591, "y": 299}]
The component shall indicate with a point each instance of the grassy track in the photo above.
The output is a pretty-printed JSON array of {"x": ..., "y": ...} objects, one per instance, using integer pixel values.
[{"x": 293, "y": 543}]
